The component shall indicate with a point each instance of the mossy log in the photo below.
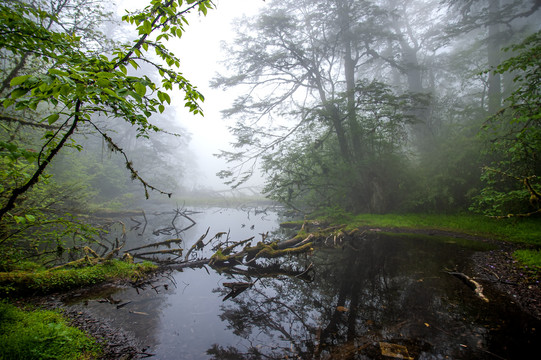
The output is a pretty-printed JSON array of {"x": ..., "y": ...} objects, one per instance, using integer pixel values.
[
  {"x": 261, "y": 250},
  {"x": 91, "y": 258},
  {"x": 303, "y": 237}
]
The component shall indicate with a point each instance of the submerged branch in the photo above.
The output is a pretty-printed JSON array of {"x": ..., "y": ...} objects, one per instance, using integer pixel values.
[
  {"x": 167, "y": 243},
  {"x": 474, "y": 285}
]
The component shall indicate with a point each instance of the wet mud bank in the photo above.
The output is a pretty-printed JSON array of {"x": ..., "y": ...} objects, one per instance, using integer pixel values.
[
  {"x": 115, "y": 342},
  {"x": 520, "y": 286}
]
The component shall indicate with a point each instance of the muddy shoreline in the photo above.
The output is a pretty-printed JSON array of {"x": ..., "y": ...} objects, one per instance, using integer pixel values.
[
  {"x": 494, "y": 269},
  {"x": 498, "y": 270}
]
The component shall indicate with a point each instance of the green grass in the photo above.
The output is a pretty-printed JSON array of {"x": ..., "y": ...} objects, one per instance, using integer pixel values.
[
  {"x": 41, "y": 334},
  {"x": 525, "y": 230},
  {"x": 20, "y": 282},
  {"x": 521, "y": 231},
  {"x": 529, "y": 258}
]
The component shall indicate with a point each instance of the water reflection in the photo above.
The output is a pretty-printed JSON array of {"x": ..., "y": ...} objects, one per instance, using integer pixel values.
[
  {"x": 377, "y": 297},
  {"x": 382, "y": 296}
]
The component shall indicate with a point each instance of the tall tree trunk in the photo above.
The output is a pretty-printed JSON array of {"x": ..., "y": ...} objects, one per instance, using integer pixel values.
[
  {"x": 493, "y": 53},
  {"x": 349, "y": 74},
  {"x": 422, "y": 132},
  {"x": 333, "y": 114}
]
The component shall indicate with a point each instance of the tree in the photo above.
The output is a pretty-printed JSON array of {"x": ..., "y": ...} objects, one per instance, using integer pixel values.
[
  {"x": 514, "y": 137},
  {"x": 82, "y": 84},
  {"x": 500, "y": 21},
  {"x": 59, "y": 81},
  {"x": 300, "y": 62}
]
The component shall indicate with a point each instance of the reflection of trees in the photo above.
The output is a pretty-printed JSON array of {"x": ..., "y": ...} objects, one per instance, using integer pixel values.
[{"x": 370, "y": 292}]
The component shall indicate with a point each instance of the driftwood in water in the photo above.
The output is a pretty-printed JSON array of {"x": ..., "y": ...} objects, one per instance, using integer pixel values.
[
  {"x": 251, "y": 253},
  {"x": 167, "y": 243},
  {"x": 187, "y": 264},
  {"x": 176, "y": 252},
  {"x": 199, "y": 244},
  {"x": 296, "y": 241},
  {"x": 474, "y": 285},
  {"x": 335, "y": 232}
]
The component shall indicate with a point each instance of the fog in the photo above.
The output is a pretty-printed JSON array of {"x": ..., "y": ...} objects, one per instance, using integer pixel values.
[
  {"x": 201, "y": 53},
  {"x": 371, "y": 106}
]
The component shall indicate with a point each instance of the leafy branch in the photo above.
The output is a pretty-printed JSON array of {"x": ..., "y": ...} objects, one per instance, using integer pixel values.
[{"x": 81, "y": 84}]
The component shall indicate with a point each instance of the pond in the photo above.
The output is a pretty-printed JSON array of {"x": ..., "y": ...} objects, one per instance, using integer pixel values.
[{"x": 382, "y": 297}]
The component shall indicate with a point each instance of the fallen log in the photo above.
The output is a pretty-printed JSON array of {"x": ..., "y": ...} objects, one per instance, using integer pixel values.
[
  {"x": 301, "y": 239},
  {"x": 187, "y": 264}
]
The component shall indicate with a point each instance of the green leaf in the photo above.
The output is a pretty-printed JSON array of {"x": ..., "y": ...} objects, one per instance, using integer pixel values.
[
  {"x": 203, "y": 8},
  {"x": 167, "y": 98},
  {"x": 51, "y": 119},
  {"x": 103, "y": 82},
  {"x": 110, "y": 92},
  {"x": 19, "y": 92},
  {"x": 134, "y": 64},
  {"x": 162, "y": 96},
  {"x": 19, "y": 80},
  {"x": 105, "y": 74},
  {"x": 58, "y": 72},
  {"x": 146, "y": 28},
  {"x": 65, "y": 89},
  {"x": 140, "y": 88}
]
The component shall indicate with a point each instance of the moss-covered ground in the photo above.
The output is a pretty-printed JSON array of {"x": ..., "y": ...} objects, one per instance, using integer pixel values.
[{"x": 41, "y": 334}]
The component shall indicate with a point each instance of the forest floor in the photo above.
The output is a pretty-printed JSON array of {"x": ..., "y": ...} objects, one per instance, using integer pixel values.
[
  {"x": 495, "y": 269},
  {"x": 519, "y": 284}
]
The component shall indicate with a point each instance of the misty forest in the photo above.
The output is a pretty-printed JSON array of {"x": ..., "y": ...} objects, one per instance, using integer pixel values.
[{"x": 379, "y": 198}]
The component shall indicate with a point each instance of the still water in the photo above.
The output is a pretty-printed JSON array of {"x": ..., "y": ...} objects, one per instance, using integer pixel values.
[{"x": 382, "y": 297}]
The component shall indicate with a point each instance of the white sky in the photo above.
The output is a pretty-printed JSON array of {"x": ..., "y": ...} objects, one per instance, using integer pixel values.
[
  {"x": 200, "y": 54},
  {"x": 199, "y": 51}
]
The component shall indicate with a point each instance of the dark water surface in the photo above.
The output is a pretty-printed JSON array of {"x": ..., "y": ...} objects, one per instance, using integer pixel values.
[{"x": 383, "y": 297}]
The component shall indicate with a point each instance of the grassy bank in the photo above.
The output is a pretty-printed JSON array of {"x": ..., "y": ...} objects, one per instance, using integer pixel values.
[
  {"x": 41, "y": 334},
  {"x": 516, "y": 230},
  {"x": 41, "y": 281},
  {"x": 522, "y": 231}
]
